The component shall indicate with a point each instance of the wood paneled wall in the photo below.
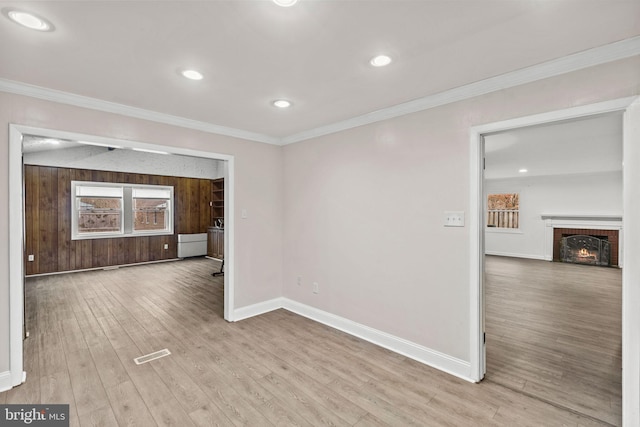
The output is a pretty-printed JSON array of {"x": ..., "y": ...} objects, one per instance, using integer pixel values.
[{"x": 48, "y": 220}]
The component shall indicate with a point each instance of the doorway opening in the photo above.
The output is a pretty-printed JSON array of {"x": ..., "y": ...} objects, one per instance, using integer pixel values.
[
  {"x": 553, "y": 330},
  {"x": 478, "y": 269},
  {"x": 17, "y": 223}
]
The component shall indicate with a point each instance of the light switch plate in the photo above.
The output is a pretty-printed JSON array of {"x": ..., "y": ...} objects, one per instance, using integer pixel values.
[{"x": 454, "y": 219}]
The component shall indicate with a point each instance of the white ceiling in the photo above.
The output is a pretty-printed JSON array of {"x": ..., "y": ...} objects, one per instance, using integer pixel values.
[
  {"x": 590, "y": 145},
  {"x": 315, "y": 53}
]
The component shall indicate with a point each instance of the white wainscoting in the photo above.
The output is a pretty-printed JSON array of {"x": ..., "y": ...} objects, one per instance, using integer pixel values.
[{"x": 433, "y": 358}]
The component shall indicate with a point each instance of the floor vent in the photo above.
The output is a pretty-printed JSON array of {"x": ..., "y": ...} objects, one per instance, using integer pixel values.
[{"x": 152, "y": 356}]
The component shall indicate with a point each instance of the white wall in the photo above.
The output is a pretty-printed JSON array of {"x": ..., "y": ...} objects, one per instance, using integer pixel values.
[
  {"x": 322, "y": 210},
  {"x": 258, "y": 189},
  {"x": 363, "y": 209},
  {"x": 560, "y": 194},
  {"x": 100, "y": 158}
]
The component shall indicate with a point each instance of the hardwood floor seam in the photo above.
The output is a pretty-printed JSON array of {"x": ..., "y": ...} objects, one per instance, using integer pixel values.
[{"x": 552, "y": 403}]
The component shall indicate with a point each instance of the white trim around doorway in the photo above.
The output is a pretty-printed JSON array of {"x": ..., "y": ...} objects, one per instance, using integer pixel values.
[
  {"x": 16, "y": 230},
  {"x": 631, "y": 231}
]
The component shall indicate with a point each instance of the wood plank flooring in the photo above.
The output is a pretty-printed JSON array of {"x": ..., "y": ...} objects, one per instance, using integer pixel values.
[
  {"x": 275, "y": 369},
  {"x": 554, "y": 331}
]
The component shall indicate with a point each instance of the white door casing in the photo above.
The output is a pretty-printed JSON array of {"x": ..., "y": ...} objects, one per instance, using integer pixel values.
[
  {"x": 16, "y": 231},
  {"x": 630, "y": 232}
]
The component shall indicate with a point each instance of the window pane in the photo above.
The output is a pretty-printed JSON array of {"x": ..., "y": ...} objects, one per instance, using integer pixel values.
[
  {"x": 99, "y": 215},
  {"x": 150, "y": 214},
  {"x": 107, "y": 210},
  {"x": 503, "y": 210},
  {"x": 98, "y": 191},
  {"x": 151, "y": 193}
]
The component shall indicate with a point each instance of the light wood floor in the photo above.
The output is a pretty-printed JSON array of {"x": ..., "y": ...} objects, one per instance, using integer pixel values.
[
  {"x": 274, "y": 369},
  {"x": 554, "y": 332}
]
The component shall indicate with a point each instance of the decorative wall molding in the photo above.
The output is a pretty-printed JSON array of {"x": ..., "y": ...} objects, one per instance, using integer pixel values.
[
  {"x": 67, "y": 98},
  {"x": 588, "y": 58},
  {"x": 585, "y": 59},
  {"x": 433, "y": 358}
]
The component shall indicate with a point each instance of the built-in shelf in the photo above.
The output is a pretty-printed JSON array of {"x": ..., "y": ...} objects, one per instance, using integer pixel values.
[
  {"x": 215, "y": 233},
  {"x": 217, "y": 201}
]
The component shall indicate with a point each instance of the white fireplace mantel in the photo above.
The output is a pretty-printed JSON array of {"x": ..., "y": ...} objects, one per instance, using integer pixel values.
[
  {"x": 598, "y": 218},
  {"x": 595, "y": 222}
]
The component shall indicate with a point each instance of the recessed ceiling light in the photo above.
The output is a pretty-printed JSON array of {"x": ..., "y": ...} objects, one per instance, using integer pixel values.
[
  {"x": 285, "y": 3},
  {"x": 29, "y": 20},
  {"x": 281, "y": 103},
  {"x": 192, "y": 74},
  {"x": 380, "y": 61},
  {"x": 523, "y": 170}
]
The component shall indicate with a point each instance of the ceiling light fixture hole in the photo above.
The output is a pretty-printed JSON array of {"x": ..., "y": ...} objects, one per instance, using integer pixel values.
[
  {"x": 285, "y": 3},
  {"x": 380, "y": 60},
  {"x": 28, "y": 20},
  {"x": 192, "y": 74},
  {"x": 281, "y": 103}
]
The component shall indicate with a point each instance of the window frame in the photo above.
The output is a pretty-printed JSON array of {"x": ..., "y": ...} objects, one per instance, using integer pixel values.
[
  {"x": 515, "y": 230},
  {"x": 168, "y": 213},
  {"x": 127, "y": 211}
]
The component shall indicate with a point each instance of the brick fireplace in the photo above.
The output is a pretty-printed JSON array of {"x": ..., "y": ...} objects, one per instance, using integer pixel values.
[
  {"x": 587, "y": 228},
  {"x": 609, "y": 236}
]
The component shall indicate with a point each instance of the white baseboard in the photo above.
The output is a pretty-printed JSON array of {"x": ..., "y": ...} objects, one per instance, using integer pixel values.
[
  {"x": 433, "y": 358},
  {"x": 5, "y": 381},
  {"x": 106, "y": 267},
  {"x": 507, "y": 254},
  {"x": 257, "y": 309}
]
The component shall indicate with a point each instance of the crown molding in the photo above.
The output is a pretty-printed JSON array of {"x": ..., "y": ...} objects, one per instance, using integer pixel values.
[
  {"x": 61, "y": 97},
  {"x": 585, "y": 59}
]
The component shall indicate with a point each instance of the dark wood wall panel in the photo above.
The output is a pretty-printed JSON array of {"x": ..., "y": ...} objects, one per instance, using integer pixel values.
[
  {"x": 48, "y": 221},
  {"x": 64, "y": 223}
]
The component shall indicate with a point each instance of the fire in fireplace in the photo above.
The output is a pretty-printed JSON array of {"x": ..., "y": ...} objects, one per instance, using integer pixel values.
[{"x": 582, "y": 249}]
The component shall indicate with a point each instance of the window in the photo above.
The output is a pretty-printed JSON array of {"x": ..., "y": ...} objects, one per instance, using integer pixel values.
[
  {"x": 103, "y": 210},
  {"x": 151, "y": 209},
  {"x": 503, "y": 210},
  {"x": 98, "y": 210}
]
